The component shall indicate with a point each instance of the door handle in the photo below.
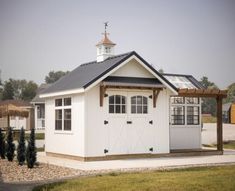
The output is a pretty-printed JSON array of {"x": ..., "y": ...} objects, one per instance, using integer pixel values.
[{"x": 129, "y": 122}]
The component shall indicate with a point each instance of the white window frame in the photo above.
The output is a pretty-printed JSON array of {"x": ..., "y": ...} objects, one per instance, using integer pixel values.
[
  {"x": 63, "y": 107},
  {"x": 185, "y": 105}
]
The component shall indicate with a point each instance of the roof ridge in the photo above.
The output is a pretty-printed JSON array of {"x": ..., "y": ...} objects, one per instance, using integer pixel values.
[
  {"x": 111, "y": 57},
  {"x": 172, "y": 74}
]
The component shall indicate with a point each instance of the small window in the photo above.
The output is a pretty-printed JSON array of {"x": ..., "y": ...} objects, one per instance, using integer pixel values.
[
  {"x": 177, "y": 115},
  {"x": 107, "y": 49},
  {"x": 58, "y": 102},
  {"x": 192, "y": 115},
  {"x": 192, "y": 100},
  {"x": 67, "y": 101},
  {"x": 139, "y": 104},
  {"x": 117, "y": 104}
]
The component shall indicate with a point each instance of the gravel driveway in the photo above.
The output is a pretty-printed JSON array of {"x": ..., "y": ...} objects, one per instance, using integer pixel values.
[{"x": 209, "y": 133}]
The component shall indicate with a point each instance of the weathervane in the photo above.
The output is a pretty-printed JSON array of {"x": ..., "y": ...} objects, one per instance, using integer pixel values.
[{"x": 105, "y": 26}]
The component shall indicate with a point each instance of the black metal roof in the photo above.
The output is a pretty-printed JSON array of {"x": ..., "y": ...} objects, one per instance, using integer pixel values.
[
  {"x": 88, "y": 73},
  {"x": 133, "y": 80}
]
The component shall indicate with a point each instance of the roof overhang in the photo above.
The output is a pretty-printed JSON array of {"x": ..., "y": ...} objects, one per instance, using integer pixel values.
[
  {"x": 143, "y": 63},
  {"x": 202, "y": 93},
  {"x": 62, "y": 93}
]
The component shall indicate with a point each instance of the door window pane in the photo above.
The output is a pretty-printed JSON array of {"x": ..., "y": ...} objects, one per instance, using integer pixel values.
[
  {"x": 117, "y": 104},
  {"x": 139, "y": 104}
]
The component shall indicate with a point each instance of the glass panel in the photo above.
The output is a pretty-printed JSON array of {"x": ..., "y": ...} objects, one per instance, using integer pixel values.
[
  {"x": 177, "y": 100},
  {"x": 111, "y": 100},
  {"x": 67, "y": 101},
  {"x": 123, "y": 100},
  {"x": 58, "y": 102},
  {"x": 123, "y": 109},
  {"x": 192, "y": 100},
  {"x": 58, "y": 114},
  {"x": 139, "y": 100},
  {"x": 139, "y": 109},
  {"x": 145, "y": 109},
  {"x": 145, "y": 100},
  {"x": 67, "y": 125},
  {"x": 117, "y": 109},
  {"x": 177, "y": 115},
  {"x": 67, "y": 114},
  {"x": 117, "y": 99},
  {"x": 133, "y": 100},
  {"x": 133, "y": 109},
  {"x": 58, "y": 124},
  {"x": 111, "y": 108}
]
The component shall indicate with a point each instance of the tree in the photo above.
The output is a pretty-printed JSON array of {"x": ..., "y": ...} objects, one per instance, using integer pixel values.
[
  {"x": 21, "y": 148},
  {"x": 31, "y": 153},
  {"x": 208, "y": 104},
  {"x": 19, "y": 90},
  {"x": 10, "y": 147},
  {"x": 2, "y": 145},
  {"x": 8, "y": 91},
  {"x": 29, "y": 91},
  {"x": 54, "y": 76},
  {"x": 231, "y": 93}
]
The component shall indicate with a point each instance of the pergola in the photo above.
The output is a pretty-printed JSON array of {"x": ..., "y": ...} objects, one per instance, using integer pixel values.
[
  {"x": 8, "y": 110},
  {"x": 210, "y": 93}
]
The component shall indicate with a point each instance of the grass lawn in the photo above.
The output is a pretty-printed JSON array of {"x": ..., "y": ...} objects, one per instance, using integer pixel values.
[
  {"x": 209, "y": 119},
  {"x": 227, "y": 145},
  {"x": 200, "y": 178},
  {"x": 38, "y": 136}
]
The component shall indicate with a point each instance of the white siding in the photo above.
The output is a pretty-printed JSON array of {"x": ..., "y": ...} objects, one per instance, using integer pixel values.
[
  {"x": 133, "y": 69},
  {"x": 185, "y": 137},
  {"x": 97, "y": 132},
  {"x": 69, "y": 143}
]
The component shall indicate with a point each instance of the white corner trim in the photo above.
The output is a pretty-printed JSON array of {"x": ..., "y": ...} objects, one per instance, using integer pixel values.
[{"x": 62, "y": 93}]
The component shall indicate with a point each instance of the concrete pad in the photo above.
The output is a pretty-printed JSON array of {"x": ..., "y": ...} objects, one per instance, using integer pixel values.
[
  {"x": 209, "y": 133},
  {"x": 228, "y": 157}
]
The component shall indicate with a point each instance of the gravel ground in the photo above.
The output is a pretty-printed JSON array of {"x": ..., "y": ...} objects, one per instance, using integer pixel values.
[{"x": 11, "y": 172}]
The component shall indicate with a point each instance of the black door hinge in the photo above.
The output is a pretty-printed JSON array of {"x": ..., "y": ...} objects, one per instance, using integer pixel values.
[
  {"x": 106, "y": 151},
  {"x": 129, "y": 122},
  {"x": 106, "y": 122}
]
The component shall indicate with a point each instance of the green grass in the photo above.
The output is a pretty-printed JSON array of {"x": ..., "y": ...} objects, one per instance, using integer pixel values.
[
  {"x": 227, "y": 145},
  {"x": 209, "y": 119},
  {"x": 198, "y": 179},
  {"x": 38, "y": 136}
]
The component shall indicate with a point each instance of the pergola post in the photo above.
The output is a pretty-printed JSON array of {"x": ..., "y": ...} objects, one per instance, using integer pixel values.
[{"x": 219, "y": 124}]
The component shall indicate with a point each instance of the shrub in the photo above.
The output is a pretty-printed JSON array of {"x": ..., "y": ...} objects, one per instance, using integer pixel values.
[
  {"x": 2, "y": 145},
  {"x": 31, "y": 152},
  {"x": 10, "y": 147},
  {"x": 21, "y": 147}
]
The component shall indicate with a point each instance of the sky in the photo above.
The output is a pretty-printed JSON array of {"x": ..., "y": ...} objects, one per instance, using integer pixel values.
[{"x": 195, "y": 37}]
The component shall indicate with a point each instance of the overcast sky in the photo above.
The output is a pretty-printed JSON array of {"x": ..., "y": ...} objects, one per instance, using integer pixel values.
[{"x": 194, "y": 37}]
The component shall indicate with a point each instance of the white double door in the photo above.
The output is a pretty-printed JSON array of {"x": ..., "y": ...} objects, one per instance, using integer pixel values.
[{"x": 132, "y": 131}]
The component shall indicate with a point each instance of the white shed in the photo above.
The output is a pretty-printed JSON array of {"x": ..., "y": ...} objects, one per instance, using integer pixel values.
[{"x": 119, "y": 106}]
